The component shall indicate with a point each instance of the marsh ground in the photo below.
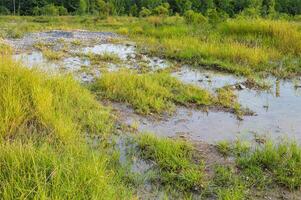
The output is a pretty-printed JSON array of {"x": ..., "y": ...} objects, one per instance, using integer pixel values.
[{"x": 153, "y": 83}]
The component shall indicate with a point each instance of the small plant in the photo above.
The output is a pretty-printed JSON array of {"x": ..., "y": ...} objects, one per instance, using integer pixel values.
[
  {"x": 224, "y": 147},
  {"x": 76, "y": 42},
  {"x": 97, "y": 59},
  {"x": 53, "y": 55},
  {"x": 229, "y": 185}
]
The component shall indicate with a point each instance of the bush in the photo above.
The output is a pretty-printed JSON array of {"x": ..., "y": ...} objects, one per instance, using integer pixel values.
[
  {"x": 50, "y": 10},
  {"x": 62, "y": 10},
  {"x": 4, "y": 11},
  {"x": 145, "y": 12},
  {"x": 163, "y": 9},
  {"x": 216, "y": 17},
  {"x": 195, "y": 18}
]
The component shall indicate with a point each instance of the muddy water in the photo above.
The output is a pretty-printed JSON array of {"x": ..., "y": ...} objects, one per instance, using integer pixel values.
[
  {"x": 278, "y": 112},
  {"x": 89, "y": 42}
]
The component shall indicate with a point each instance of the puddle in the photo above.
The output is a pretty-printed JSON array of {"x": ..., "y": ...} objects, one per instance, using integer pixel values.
[
  {"x": 206, "y": 79},
  {"x": 278, "y": 113},
  {"x": 122, "y": 51},
  {"x": 89, "y": 42}
]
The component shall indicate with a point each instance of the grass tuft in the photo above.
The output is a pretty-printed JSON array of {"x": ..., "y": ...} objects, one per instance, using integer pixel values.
[
  {"x": 149, "y": 93},
  {"x": 175, "y": 161}
]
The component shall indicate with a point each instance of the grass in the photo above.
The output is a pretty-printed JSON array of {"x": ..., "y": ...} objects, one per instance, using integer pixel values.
[
  {"x": 248, "y": 47},
  {"x": 282, "y": 35},
  {"x": 44, "y": 123},
  {"x": 282, "y": 161},
  {"x": 56, "y": 106},
  {"x": 45, "y": 172},
  {"x": 157, "y": 92},
  {"x": 174, "y": 159},
  {"x": 97, "y": 59},
  {"x": 262, "y": 167},
  {"x": 228, "y": 185},
  {"x": 149, "y": 93}
]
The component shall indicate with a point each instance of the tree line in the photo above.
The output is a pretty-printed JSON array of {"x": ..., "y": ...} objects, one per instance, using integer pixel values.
[{"x": 147, "y": 7}]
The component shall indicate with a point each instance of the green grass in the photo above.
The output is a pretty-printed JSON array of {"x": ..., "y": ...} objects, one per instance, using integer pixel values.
[
  {"x": 44, "y": 125},
  {"x": 53, "y": 55},
  {"x": 282, "y": 161},
  {"x": 46, "y": 172},
  {"x": 149, "y": 93},
  {"x": 54, "y": 106},
  {"x": 248, "y": 47},
  {"x": 229, "y": 186},
  {"x": 175, "y": 161},
  {"x": 283, "y": 35},
  {"x": 97, "y": 59}
]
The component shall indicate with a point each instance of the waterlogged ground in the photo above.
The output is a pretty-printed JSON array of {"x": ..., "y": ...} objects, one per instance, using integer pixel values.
[{"x": 277, "y": 111}]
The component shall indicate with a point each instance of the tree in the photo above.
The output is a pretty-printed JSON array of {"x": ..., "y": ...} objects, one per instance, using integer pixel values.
[{"x": 82, "y": 8}]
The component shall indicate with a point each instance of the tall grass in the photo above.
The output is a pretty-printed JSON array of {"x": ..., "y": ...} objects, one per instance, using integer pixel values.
[
  {"x": 284, "y": 35},
  {"x": 44, "y": 122},
  {"x": 54, "y": 106},
  {"x": 45, "y": 172}
]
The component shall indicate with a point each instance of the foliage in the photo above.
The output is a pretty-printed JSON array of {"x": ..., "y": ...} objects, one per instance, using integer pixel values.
[
  {"x": 194, "y": 18},
  {"x": 266, "y": 8},
  {"x": 145, "y": 12}
]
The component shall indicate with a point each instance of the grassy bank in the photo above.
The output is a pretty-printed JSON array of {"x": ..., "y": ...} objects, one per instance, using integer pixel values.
[
  {"x": 55, "y": 137},
  {"x": 44, "y": 125},
  {"x": 248, "y": 47}
]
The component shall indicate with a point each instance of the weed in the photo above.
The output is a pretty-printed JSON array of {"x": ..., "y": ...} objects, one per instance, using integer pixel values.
[
  {"x": 97, "y": 59},
  {"x": 53, "y": 55}
]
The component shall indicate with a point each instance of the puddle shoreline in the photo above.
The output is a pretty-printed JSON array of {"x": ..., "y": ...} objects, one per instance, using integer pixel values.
[{"x": 278, "y": 113}]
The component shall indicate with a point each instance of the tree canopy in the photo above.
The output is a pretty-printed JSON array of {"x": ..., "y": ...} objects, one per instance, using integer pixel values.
[{"x": 134, "y": 7}]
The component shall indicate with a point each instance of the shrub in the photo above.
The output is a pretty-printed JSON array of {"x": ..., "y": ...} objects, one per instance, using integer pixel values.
[
  {"x": 49, "y": 9},
  {"x": 162, "y": 10},
  {"x": 4, "y": 10},
  {"x": 216, "y": 17},
  {"x": 62, "y": 10},
  {"x": 194, "y": 18},
  {"x": 145, "y": 12}
]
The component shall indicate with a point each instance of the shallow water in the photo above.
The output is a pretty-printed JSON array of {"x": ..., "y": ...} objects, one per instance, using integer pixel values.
[
  {"x": 278, "y": 113},
  {"x": 121, "y": 50}
]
